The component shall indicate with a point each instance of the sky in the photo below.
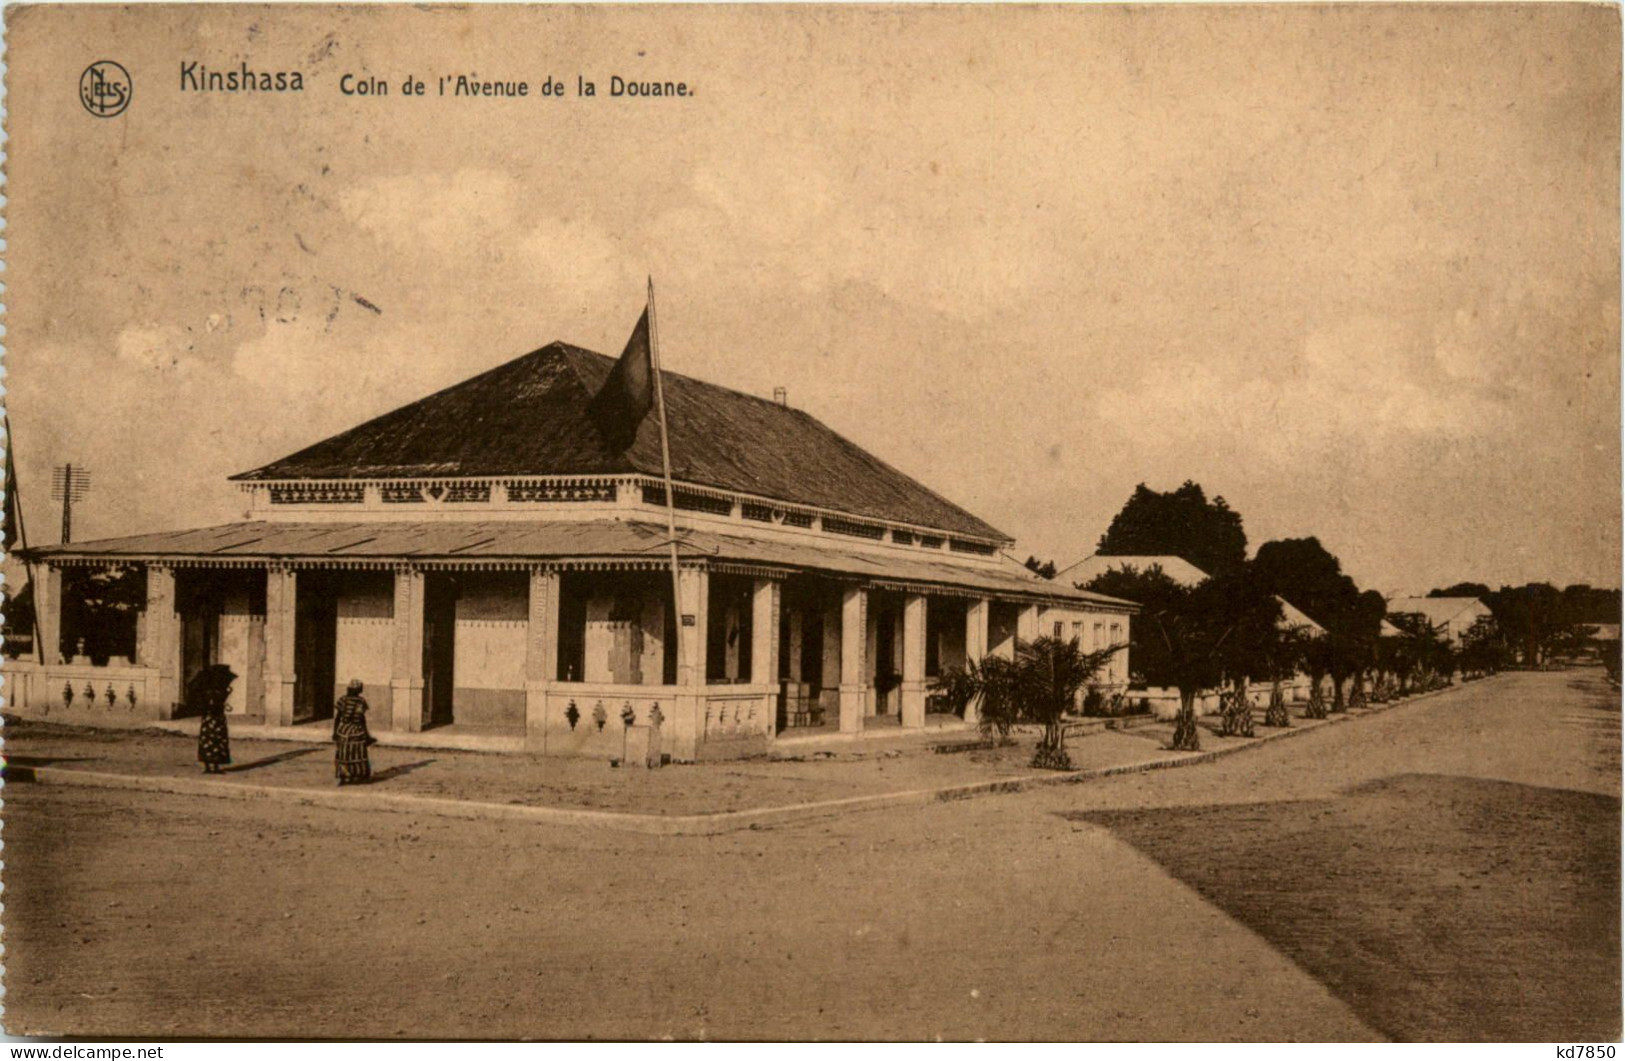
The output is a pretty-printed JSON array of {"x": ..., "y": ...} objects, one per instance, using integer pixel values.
[{"x": 1354, "y": 269}]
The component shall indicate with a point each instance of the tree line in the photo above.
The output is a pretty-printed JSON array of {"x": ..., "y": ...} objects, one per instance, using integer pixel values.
[{"x": 1229, "y": 631}]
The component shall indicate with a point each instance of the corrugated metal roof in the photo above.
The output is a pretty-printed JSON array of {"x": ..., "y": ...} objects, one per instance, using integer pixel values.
[
  {"x": 1177, "y": 568},
  {"x": 1437, "y": 610},
  {"x": 1184, "y": 573},
  {"x": 530, "y": 417},
  {"x": 515, "y": 540}
]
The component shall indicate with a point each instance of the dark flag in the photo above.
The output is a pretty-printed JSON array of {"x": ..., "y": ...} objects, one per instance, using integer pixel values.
[{"x": 629, "y": 393}]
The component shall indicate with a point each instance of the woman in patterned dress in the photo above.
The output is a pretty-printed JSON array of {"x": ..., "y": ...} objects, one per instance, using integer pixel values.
[
  {"x": 206, "y": 695},
  {"x": 350, "y": 737}
]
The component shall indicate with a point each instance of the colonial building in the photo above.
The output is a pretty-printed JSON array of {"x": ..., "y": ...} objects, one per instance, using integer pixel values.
[
  {"x": 489, "y": 560},
  {"x": 1165, "y": 701},
  {"x": 1450, "y": 617}
]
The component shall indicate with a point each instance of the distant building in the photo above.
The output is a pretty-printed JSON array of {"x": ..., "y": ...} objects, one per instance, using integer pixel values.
[
  {"x": 1451, "y": 617},
  {"x": 491, "y": 561},
  {"x": 1183, "y": 572}
]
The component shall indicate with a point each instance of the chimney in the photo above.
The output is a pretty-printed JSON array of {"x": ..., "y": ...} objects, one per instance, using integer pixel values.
[{"x": 781, "y": 396}]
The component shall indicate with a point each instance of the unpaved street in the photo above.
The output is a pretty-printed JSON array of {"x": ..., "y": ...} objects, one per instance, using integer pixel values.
[{"x": 1378, "y": 878}]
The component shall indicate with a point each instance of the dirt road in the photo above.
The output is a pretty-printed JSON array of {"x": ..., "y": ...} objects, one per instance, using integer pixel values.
[{"x": 1062, "y": 913}]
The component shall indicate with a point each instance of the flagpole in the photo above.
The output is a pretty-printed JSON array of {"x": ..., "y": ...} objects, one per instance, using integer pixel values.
[
  {"x": 671, "y": 494},
  {"x": 14, "y": 502}
]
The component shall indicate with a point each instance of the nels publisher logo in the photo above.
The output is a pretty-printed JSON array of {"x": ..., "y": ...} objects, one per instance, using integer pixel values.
[{"x": 104, "y": 88}]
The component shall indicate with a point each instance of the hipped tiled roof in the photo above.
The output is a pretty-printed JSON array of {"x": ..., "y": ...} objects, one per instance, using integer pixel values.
[
  {"x": 529, "y": 417},
  {"x": 496, "y": 541}
]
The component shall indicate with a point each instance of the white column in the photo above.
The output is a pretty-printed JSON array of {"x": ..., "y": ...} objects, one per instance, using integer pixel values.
[
  {"x": 160, "y": 646},
  {"x": 913, "y": 687},
  {"x": 541, "y": 654},
  {"x": 1027, "y": 624},
  {"x": 829, "y": 691},
  {"x": 47, "y": 581},
  {"x": 281, "y": 605},
  {"x": 855, "y": 686},
  {"x": 793, "y": 618},
  {"x": 976, "y": 617},
  {"x": 764, "y": 647},
  {"x": 688, "y": 723},
  {"x": 406, "y": 667}
]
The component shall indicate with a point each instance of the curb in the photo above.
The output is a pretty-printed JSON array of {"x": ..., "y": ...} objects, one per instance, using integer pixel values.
[{"x": 649, "y": 824}]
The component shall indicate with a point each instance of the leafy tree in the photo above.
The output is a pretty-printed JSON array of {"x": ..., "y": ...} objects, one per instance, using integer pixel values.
[
  {"x": 1046, "y": 569},
  {"x": 1251, "y": 616},
  {"x": 1283, "y": 659},
  {"x": 1181, "y": 523},
  {"x": 1423, "y": 655},
  {"x": 1483, "y": 650},
  {"x": 100, "y": 606},
  {"x": 1463, "y": 589},
  {"x": 1302, "y": 571},
  {"x": 1317, "y": 656},
  {"x": 1353, "y": 628},
  {"x": 1222, "y": 632},
  {"x": 1176, "y": 641},
  {"x": 1305, "y": 573},
  {"x": 1531, "y": 619}
]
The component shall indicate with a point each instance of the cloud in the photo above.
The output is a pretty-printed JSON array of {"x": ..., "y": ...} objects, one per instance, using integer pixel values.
[{"x": 486, "y": 225}]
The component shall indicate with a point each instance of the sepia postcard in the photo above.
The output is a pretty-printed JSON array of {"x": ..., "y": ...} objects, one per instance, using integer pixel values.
[{"x": 874, "y": 522}]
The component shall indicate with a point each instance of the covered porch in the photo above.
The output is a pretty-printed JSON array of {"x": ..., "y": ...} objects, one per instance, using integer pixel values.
[
  {"x": 456, "y": 631},
  {"x": 562, "y": 656}
]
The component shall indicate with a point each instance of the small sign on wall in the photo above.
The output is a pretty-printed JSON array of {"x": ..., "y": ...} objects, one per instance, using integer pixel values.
[{"x": 688, "y": 620}]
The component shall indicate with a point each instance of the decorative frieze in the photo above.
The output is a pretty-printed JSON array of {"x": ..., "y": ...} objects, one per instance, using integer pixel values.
[
  {"x": 468, "y": 493},
  {"x": 689, "y": 500},
  {"x": 596, "y": 491},
  {"x": 401, "y": 494},
  {"x": 872, "y": 531},
  {"x": 318, "y": 493}
]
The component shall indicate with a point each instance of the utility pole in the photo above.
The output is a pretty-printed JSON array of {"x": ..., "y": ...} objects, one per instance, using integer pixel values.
[{"x": 69, "y": 484}]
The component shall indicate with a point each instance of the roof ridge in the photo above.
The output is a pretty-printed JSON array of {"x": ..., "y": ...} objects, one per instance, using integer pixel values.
[{"x": 557, "y": 345}]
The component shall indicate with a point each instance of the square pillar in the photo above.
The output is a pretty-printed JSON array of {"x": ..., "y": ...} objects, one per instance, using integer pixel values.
[
  {"x": 541, "y": 654},
  {"x": 160, "y": 645},
  {"x": 913, "y": 687},
  {"x": 281, "y": 605},
  {"x": 764, "y": 644},
  {"x": 829, "y": 670},
  {"x": 854, "y": 658},
  {"x": 47, "y": 579},
  {"x": 794, "y": 619},
  {"x": 406, "y": 666},
  {"x": 688, "y": 727},
  {"x": 1027, "y": 624},
  {"x": 976, "y": 619}
]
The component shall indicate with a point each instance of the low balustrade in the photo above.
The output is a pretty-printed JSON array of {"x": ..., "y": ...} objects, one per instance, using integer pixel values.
[{"x": 116, "y": 693}]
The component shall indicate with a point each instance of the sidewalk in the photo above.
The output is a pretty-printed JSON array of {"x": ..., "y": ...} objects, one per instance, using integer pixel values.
[{"x": 700, "y": 798}]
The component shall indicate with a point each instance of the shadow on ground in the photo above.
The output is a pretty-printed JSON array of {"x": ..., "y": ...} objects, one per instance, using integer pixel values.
[
  {"x": 271, "y": 760},
  {"x": 1438, "y": 908},
  {"x": 399, "y": 771}
]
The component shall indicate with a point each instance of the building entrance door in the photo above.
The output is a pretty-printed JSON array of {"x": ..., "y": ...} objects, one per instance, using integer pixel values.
[
  {"x": 439, "y": 649},
  {"x": 315, "y": 641}
]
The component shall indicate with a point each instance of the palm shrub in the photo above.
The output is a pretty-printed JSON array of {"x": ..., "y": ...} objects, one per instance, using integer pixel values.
[
  {"x": 1236, "y": 709},
  {"x": 1284, "y": 658},
  {"x": 991, "y": 681},
  {"x": 1038, "y": 687},
  {"x": 1276, "y": 714},
  {"x": 1049, "y": 673},
  {"x": 1315, "y": 661}
]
